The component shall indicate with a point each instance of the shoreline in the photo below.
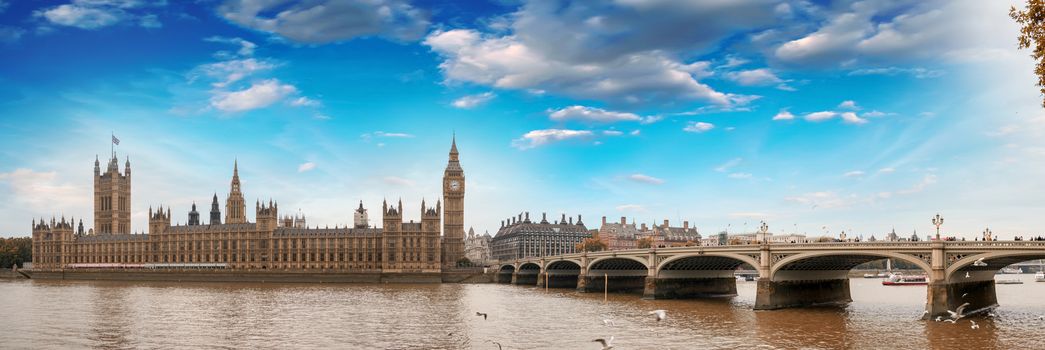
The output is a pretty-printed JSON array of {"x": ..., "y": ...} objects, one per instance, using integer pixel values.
[{"x": 262, "y": 277}]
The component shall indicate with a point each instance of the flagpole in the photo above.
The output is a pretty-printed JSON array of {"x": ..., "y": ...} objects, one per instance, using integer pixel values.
[{"x": 112, "y": 145}]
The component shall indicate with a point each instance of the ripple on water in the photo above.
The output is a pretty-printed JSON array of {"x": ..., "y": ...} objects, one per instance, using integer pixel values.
[{"x": 120, "y": 315}]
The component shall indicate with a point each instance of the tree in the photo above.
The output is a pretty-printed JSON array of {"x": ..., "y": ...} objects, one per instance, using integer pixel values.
[
  {"x": 644, "y": 242},
  {"x": 1032, "y": 35},
  {"x": 593, "y": 244},
  {"x": 15, "y": 251}
]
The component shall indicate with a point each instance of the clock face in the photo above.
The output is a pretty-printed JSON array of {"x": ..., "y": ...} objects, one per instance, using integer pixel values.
[{"x": 454, "y": 185}]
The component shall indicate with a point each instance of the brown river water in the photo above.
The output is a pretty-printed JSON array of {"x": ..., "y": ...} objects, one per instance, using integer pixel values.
[{"x": 41, "y": 314}]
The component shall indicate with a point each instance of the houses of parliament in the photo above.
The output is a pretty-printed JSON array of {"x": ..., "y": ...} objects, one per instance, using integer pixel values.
[{"x": 270, "y": 243}]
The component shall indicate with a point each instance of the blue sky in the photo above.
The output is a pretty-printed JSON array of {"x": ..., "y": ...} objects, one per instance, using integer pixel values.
[{"x": 816, "y": 116}]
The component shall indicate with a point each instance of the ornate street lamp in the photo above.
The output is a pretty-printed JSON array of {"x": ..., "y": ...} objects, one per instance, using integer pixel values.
[
  {"x": 938, "y": 221},
  {"x": 987, "y": 234},
  {"x": 762, "y": 229}
]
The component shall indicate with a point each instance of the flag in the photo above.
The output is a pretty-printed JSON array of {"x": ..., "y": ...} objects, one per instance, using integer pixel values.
[{"x": 115, "y": 140}]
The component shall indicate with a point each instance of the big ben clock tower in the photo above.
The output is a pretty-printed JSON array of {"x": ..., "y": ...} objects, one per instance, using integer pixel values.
[{"x": 453, "y": 212}]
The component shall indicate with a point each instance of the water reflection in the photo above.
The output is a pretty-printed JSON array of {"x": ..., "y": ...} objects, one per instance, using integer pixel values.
[{"x": 114, "y": 315}]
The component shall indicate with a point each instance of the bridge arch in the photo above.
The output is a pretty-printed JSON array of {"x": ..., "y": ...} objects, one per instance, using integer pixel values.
[
  {"x": 716, "y": 261},
  {"x": 616, "y": 263},
  {"x": 529, "y": 267},
  {"x": 995, "y": 261},
  {"x": 563, "y": 265},
  {"x": 562, "y": 273},
  {"x": 841, "y": 261}
]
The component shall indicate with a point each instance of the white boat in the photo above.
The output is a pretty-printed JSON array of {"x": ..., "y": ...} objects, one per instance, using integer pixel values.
[
  {"x": 1008, "y": 282},
  {"x": 1010, "y": 270},
  {"x": 1039, "y": 277}
]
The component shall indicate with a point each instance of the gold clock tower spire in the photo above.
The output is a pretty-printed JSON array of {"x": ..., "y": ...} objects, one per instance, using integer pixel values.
[{"x": 453, "y": 213}]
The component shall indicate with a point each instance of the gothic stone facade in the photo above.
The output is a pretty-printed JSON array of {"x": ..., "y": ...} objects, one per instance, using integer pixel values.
[
  {"x": 520, "y": 238},
  {"x": 267, "y": 244}
]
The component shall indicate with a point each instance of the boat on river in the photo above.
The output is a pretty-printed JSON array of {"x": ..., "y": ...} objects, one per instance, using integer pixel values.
[
  {"x": 1012, "y": 281},
  {"x": 901, "y": 280},
  {"x": 1039, "y": 277},
  {"x": 1010, "y": 270}
]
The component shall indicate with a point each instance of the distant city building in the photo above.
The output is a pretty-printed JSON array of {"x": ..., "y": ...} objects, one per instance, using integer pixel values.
[
  {"x": 666, "y": 236},
  {"x": 620, "y": 235},
  {"x": 519, "y": 237},
  {"x": 477, "y": 248},
  {"x": 269, "y": 243}
]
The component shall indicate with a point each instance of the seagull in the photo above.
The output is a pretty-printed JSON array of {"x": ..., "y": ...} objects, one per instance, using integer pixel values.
[
  {"x": 966, "y": 274},
  {"x": 958, "y": 314},
  {"x": 979, "y": 262},
  {"x": 990, "y": 314},
  {"x": 938, "y": 318},
  {"x": 498, "y": 345},
  {"x": 974, "y": 325},
  {"x": 606, "y": 344},
  {"x": 477, "y": 313},
  {"x": 660, "y": 314},
  {"x": 963, "y": 295},
  {"x": 950, "y": 320},
  {"x": 1041, "y": 317},
  {"x": 608, "y": 322}
]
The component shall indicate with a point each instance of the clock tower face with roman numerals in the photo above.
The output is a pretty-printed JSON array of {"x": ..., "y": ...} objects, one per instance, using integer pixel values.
[{"x": 453, "y": 209}]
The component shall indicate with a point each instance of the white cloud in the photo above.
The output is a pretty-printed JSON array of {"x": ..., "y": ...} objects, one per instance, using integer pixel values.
[
  {"x": 258, "y": 95},
  {"x": 926, "y": 181},
  {"x": 94, "y": 14},
  {"x": 724, "y": 167},
  {"x": 886, "y": 170},
  {"x": 917, "y": 72},
  {"x": 306, "y": 167},
  {"x": 635, "y": 132},
  {"x": 537, "y": 138},
  {"x": 231, "y": 71},
  {"x": 325, "y": 21},
  {"x": 381, "y": 134},
  {"x": 507, "y": 63},
  {"x": 612, "y": 132},
  {"x": 848, "y": 104},
  {"x": 41, "y": 191},
  {"x": 246, "y": 48},
  {"x": 592, "y": 114},
  {"x": 472, "y": 101},
  {"x": 754, "y": 77},
  {"x": 304, "y": 102},
  {"x": 852, "y": 118},
  {"x": 742, "y": 176},
  {"x": 820, "y": 116},
  {"x": 633, "y": 208},
  {"x": 645, "y": 179},
  {"x": 854, "y": 173},
  {"x": 698, "y": 127},
  {"x": 822, "y": 199},
  {"x": 80, "y": 16},
  {"x": 784, "y": 115},
  {"x": 398, "y": 181}
]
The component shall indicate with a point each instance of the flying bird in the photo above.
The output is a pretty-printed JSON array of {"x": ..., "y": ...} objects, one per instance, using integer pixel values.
[
  {"x": 974, "y": 325},
  {"x": 966, "y": 274},
  {"x": 606, "y": 344},
  {"x": 938, "y": 318},
  {"x": 498, "y": 345},
  {"x": 959, "y": 313},
  {"x": 979, "y": 262},
  {"x": 660, "y": 314},
  {"x": 950, "y": 320},
  {"x": 990, "y": 314},
  {"x": 608, "y": 322},
  {"x": 480, "y": 314},
  {"x": 963, "y": 295}
]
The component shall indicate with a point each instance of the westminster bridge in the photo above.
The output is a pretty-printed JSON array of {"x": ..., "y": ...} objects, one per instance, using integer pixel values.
[{"x": 790, "y": 275}]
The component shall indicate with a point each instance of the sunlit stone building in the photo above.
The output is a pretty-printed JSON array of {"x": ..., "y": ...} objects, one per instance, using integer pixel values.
[
  {"x": 270, "y": 243},
  {"x": 519, "y": 237}
]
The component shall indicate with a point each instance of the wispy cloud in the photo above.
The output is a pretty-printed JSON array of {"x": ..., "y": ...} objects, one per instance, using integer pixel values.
[
  {"x": 633, "y": 208},
  {"x": 643, "y": 178},
  {"x": 472, "y": 101},
  {"x": 397, "y": 181},
  {"x": 724, "y": 167},
  {"x": 258, "y": 95},
  {"x": 306, "y": 167},
  {"x": 537, "y": 138},
  {"x": 698, "y": 127}
]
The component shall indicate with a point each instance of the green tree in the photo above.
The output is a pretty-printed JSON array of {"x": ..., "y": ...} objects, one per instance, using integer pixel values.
[
  {"x": 1032, "y": 35},
  {"x": 15, "y": 251},
  {"x": 644, "y": 242}
]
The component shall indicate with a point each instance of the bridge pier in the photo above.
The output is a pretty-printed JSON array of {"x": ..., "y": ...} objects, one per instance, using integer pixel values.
[
  {"x": 541, "y": 280},
  {"x": 524, "y": 278},
  {"x": 615, "y": 283},
  {"x": 689, "y": 288},
  {"x": 772, "y": 295},
  {"x": 944, "y": 296}
]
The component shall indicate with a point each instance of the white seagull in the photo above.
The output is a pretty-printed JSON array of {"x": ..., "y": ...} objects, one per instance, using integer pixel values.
[
  {"x": 951, "y": 320},
  {"x": 606, "y": 344},
  {"x": 974, "y": 325},
  {"x": 979, "y": 262},
  {"x": 966, "y": 274},
  {"x": 959, "y": 313},
  {"x": 938, "y": 318},
  {"x": 608, "y": 322},
  {"x": 660, "y": 314}
]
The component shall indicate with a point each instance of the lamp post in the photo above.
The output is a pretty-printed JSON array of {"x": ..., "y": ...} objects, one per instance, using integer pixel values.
[
  {"x": 938, "y": 221},
  {"x": 987, "y": 234},
  {"x": 762, "y": 229}
]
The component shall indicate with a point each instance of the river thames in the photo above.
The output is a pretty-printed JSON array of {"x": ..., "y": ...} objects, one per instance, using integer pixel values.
[{"x": 117, "y": 315}]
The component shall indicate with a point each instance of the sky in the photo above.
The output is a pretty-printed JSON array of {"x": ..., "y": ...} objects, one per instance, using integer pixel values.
[{"x": 815, "y": 116}]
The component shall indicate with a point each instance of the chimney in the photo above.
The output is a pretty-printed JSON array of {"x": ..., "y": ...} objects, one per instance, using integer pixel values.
[
  {"x": 571, "y": 220},
  {"x": 623, "y": 221},
  {"x": 685, "y": 224},
  {"x": 603, "y": 220},
  {"x": 665, "y": 223},
  {"x": 644, "y": 227},
  {"x": 527, "y": 217}
]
